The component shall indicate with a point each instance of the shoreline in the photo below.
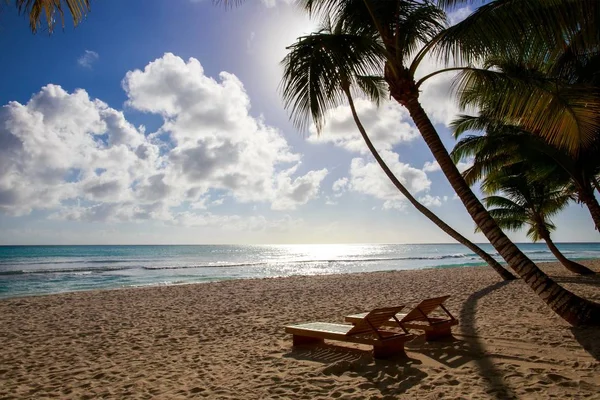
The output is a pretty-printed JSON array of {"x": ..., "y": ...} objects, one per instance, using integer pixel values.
[
  {"x": 227, "y": 279},
  {"x": 37, "y": 271},
  {"x": 226, "y": 340}
]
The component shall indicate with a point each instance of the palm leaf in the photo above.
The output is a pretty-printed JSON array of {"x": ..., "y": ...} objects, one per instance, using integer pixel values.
[
  {"x": 504, "y": 25},
  {"x": 49, "y": 8},
  {"x": 319, "y": 65},
  {"x": 565, "y": 115}
]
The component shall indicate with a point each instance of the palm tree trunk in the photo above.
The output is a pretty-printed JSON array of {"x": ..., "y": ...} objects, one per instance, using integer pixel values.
[
  {"x": 587, "y": 197},
  {"x": 506, "y": 275},
  {"x": 568, "y": 264},
  {"x": 574, "y": 309}
]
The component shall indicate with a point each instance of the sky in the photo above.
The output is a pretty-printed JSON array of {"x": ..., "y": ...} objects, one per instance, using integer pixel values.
[{"x": 161, "y": 122}]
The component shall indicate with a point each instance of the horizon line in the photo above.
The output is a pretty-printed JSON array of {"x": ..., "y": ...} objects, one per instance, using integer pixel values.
[{"x": 274, "y": 244}]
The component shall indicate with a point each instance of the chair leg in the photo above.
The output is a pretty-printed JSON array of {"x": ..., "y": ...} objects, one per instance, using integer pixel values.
[{"x": 298, "y": 340}]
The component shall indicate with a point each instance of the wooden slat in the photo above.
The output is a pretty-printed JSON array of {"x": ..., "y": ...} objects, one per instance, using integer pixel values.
[
  {"x": 418, "y": 318},
  {"x": 374, "y": 320},
  {"x": 324, "y": 330},
  {"x": 425, "y": 307}
]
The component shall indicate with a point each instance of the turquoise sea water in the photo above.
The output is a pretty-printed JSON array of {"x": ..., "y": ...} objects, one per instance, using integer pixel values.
[{"x": 34, "y": 270}]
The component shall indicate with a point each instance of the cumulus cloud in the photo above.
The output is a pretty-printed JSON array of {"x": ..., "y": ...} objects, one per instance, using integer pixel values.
[
  {"x": 433, "y": 166},
  {"x": 293, "y": 192},
  {"x": 88, "y": 58},
  {"x": 387, "y": 125},
  {"x": 438, "y": 96},
  {"x": 368, "y": 178},
  {"x": 61, "y": 147},
  {"x": 340, "y": 186},
  {"x": 432, "y": 201}
]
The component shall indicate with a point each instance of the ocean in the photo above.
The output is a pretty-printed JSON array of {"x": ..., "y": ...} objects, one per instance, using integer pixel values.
[{"x": 36, "y": 270}]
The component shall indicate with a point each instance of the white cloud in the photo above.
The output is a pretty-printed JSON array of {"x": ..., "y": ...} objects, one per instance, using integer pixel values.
[
  {"x": 437, "y": 95},
  {"x": 88, "y": 58},
  {"x": 368, "y": 178},
  {"x": 293, "y": 192},
  {"x": 340, "y": 186},
  {"x": 386, "y": 127},
  {"x": 430, "y": 201},
  {"x": 61, "y": 147},
  {"x": 431, "y": 166}
]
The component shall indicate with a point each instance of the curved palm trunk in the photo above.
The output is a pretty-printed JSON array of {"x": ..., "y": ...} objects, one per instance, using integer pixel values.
[
  {"x": 544, "y": 233},
  {"x": 506, "y": 275},
  {"x": 574, "y": 309},
  {"x": 568, "y": 264},
  {"x": 587, "y": 197}
]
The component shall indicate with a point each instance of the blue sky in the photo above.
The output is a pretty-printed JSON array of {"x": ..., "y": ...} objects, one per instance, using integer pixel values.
[{"x": 161, "y": 122}]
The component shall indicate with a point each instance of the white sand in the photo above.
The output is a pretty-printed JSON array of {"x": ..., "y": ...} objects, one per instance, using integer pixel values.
[{"x": 226, "y": 340}]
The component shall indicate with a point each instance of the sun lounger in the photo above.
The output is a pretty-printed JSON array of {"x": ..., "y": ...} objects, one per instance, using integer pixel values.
[
  {"x": 420, "y": 318},
  {"x": 366, "y": 330}
]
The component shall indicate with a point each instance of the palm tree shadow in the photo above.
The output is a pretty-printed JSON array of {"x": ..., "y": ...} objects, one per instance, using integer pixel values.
[
  {"x": 589, "y": 338},
  {"x": 450, "y": 351},
  {"x": 590, "y": 280},
  {"x": 488, "y": 371},
  {"x": 391, "y": 376}
]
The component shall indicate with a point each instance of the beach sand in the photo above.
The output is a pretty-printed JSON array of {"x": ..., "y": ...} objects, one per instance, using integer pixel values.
[{"x": 226, "y": 340}]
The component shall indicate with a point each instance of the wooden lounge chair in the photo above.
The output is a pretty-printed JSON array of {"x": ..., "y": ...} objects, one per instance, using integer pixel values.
[
  {"x": 366, "y": 330},
  {"x": 419, "y": 318}
]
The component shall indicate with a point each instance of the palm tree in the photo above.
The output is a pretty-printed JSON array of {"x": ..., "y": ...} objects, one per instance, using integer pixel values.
[
  {"x": 528, "y": 202},
  {"x": 504, "y": 144},
  {"x": 548, "y": 50},
  {"x": 49, "y": 8},
  {"x": 547, "y": 85},
  {"x": 327, "y": 82},
  {"x": 398, "y": 30}
]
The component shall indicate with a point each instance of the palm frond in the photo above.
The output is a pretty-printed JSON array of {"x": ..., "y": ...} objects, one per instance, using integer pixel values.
[
  {"x": 49, "y": 8},
  {"x": 507, "y": 219},
  {"x": 505, "y": 25},
  {"x": 319, "y": 65},
  {"x": 565, "y": 115},
  {"x": 373, "y": 87},
  {"x": 506, "y": 204}
]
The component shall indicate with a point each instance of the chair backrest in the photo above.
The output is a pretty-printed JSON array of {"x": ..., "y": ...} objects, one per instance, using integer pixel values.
[
  {"x": 374, "y": 320},
  {"x": 424, "y": 308}
]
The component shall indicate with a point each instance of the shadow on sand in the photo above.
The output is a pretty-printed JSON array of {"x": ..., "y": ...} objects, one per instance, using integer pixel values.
[
  {"x": 487, "y": 370},
  {"x": 395, "y": 376},
  {"x": 590, "y": 280},
  {"x": 589, "y": 338},
  {"x": 391, "y": 376},
  {"x": 450, "y": 351}
]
